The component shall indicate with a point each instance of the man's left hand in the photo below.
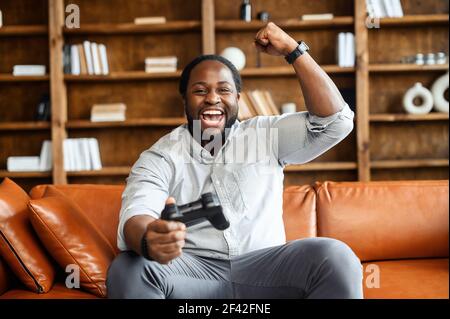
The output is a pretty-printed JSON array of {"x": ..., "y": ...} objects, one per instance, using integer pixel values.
[{"x": 274, "y": 41}]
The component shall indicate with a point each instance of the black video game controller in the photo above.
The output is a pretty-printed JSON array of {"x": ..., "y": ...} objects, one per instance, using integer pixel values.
[{"x": 207, "y": 207}]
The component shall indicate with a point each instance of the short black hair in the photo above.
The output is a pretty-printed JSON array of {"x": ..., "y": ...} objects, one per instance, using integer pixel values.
[{"x": 185, "y": 75}]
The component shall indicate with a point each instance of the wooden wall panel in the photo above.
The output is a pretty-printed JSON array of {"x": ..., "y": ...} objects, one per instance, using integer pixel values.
[
  {"x": 128, "y": 52},
  {"x": 303, "y": 178},
  {"x": 284, "y": 9},
  {"x": 19, "y": 100},
  {"x": 389, "y": 45},
  {"x": 101, "y": 11},
  {"x": 143, "y": 98},
  {"x": 411, "y": 7},
  {"x": 387, "y": 89},
  {"x": 21, "y": 143},
  {"x": 17, "y": 50},
  {"x": 422, "y": 173},
  {"x": 24, "y": 12},
  {"x": 321, "y": 42},
  {"x": 122, "y": 146},
  {"x": 391, "y": 141}
]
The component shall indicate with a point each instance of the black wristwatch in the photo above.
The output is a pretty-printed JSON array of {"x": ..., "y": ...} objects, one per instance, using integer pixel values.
[
  {"x": 144, "y": 248},
  {"x": 299, "y": 50}
]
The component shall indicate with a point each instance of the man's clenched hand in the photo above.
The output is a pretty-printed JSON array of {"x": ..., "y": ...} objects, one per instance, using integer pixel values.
[{"x": 274, "y": 41}]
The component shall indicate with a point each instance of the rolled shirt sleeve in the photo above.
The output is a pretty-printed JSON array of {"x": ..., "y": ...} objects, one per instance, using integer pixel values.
[
  {"x": 146, "y": 191},
  {"x": 301, "y": 137}
]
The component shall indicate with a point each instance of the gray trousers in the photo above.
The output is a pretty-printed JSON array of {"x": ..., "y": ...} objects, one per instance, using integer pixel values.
[{"x": 307, "y": 268}]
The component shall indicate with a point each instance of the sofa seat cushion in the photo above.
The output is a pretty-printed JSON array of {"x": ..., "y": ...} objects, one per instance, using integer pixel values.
[
  {"x": 4, "y": 277},
  {"x": 58, "y": 291},
  {"x": 408, "y": 279},
  {"x": 19, "y": 245}
]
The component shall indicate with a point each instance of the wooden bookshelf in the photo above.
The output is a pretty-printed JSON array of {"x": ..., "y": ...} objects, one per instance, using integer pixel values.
[
  {"x": 23, "y": 30},
  {"x": 409, "y": 117},
  {"x": 286, "y": 24},
  {"x": 397, "y": 67},
  {"x": 83, "y": 124},
  {"x": 131, "y": 28},
  {"x": 415, "y": 20},
  {"x": 385, "y": 144}
]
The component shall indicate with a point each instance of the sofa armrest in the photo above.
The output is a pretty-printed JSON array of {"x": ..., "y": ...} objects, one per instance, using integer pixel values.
[{"x": 5, "y": 279}]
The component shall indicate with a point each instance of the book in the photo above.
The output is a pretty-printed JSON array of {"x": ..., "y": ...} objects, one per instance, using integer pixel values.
[
  {"x": 43, "y": 109},
  {"x": 164, "y": 60},
  {"x": 95, "y": 154},
  {"x": 88, "y": 54},
  {"x": 82, "y": 59},
  {"x": 45, "y": 158},
  {"x": 248, "y": 103},
  {"x": 160, "y": 69},
  {"x": 322, "y": 16},
  {"x": 108, "y": 112},
  {"x": 341, "y": 49},
  {"x": 398, "y": 9},
  {"x": 350, "y": 49},
  {"x": 388, "y": 8},
  {"x": 29, "y": 70},
  {"x": 95, "y": 59},
  {"x": 273, "y": 108},
  {"x": 75, "y": 60},
  {"x": 23, "y": 164},
  {"x": 150, "y": 20},
  {"x": 103, "y": 59},
  {"x": 67, "y": 59},
  {"x": 370, "y": 9}
]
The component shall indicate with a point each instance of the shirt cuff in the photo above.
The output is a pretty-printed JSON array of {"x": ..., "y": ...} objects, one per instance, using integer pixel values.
[{"x": 319, "y": 124}]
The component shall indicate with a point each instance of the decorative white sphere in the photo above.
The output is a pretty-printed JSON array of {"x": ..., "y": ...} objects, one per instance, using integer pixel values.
[{"x": 235, "y": 56}]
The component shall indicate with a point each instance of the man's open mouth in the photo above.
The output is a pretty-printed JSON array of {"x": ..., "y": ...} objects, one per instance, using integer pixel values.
[{"x": 212, "y": 117}]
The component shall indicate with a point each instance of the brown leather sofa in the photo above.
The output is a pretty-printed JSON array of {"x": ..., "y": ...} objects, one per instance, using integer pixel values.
[{"x": 399, "y": 230}]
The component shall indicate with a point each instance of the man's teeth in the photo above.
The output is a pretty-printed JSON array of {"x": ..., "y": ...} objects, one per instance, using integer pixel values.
[{"x": 212, "y": 112}]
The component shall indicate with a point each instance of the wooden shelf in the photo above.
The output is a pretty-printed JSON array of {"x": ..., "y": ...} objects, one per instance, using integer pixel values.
[
  {"x": 415, "y": 20},
  {"x": 131, "y": 28},
  {"x": 23, "y": 30},
  {"x": 23, "y": 78},
  {"x": 408, "y": 117},
  {"x": 15, "y": 126},
  {"x": 85, "y": 124},
  {"x": 287, "y": 24},
  {"x": 5, "y": 173},
  {"x": 401, "y": 67},
  {"x": 287, "y": 70},
  {"x": 122, "y": 76},
  {"x": 106, "y": 171},
  {"x": 325, "y": 166},
  {"x": 415, "y": 163}
]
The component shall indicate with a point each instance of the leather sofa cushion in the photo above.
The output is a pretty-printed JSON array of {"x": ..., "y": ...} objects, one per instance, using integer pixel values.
[
  {"x": 72, "y": 239},
  {"x": 100, "y": 203},
  {"x": 19, "y": 245},
  {"x": 408, "y": 279},
  {"x": 4, "y": 277},
  {"x": 59, "y": 291},
  {"x": 299, "y": 212},
  {"x": 386, "y": 220}
]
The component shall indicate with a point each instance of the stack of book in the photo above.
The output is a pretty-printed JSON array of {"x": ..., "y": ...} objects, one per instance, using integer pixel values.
[
  {"x": 81, "y": 154},
  {"x": 22, "y": 163},
  {"x": 42, "y": 163},
  {"x": 19, "y": 70},
  {"x": 320, "y": 16},
  {"x": 257, "y": 102},
  {"x": 149, "y": 20},
  {"x": 345, "y": 49},
  {"x": 161, "y": 64},
  {"x": 108, "y": 112},
  {"x": 384, "y": 8},
  {"x": 87, "y": 58}
]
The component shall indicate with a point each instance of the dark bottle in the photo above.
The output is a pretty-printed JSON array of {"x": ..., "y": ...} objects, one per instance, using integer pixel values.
[{"x": 246, "y": 11}]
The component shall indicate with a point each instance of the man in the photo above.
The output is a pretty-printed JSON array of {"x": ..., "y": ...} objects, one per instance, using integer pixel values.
[{"x": 250, "y": 259}]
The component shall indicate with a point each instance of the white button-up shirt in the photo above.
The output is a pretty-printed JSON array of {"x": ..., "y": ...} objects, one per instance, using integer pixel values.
[{"x": 246, "y": 174}]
